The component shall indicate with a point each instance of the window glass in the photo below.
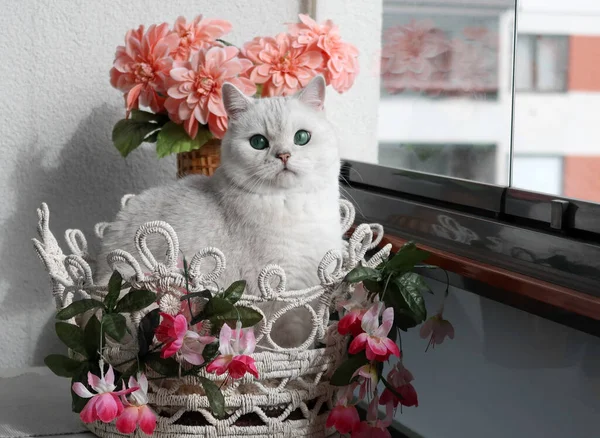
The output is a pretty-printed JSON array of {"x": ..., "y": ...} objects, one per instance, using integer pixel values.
[
  {"x": 446, "y": 96},
  {"x": 557, "y": 81}
]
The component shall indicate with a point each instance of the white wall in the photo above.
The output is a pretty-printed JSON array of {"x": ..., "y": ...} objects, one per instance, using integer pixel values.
[{"x": 58, "y": 110}]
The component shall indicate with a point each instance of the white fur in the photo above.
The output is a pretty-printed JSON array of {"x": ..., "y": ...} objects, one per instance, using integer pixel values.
[{"x": 252, "y": 209}]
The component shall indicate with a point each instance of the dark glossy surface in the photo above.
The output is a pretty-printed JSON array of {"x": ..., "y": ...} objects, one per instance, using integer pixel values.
[
  {"x": 455, "y": 191},
  {"x": 554, "y": 258}
]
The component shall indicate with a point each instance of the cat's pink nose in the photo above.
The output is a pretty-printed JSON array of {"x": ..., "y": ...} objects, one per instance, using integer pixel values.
[{"x": 284, "y": 157}]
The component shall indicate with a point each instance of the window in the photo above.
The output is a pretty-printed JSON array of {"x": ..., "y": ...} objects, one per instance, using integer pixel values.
[{"x": 541, "y": 63}]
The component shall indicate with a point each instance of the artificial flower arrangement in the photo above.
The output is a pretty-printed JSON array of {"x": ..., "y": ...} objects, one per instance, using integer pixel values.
[
  {"x": 171, "y": 345},
  {"x": 175, "y": 74},
  {"x": 386, "y": 300},
  {"x": 184, "y": 342}
]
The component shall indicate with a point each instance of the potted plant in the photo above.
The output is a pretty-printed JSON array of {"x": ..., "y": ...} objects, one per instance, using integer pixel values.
[{"x": 171, "y": 78}]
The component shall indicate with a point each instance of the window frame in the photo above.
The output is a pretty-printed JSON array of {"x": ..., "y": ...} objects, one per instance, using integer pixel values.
[
  {"x": 534, "y": 89},
  {"x": 553, "y": 239}
]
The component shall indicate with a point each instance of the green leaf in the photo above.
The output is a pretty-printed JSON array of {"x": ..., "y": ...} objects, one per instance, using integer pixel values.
[
  {"x": 343, "y": 374},
  {"x": 373, "y": 286},
  {"x": 135, "y": 300},
  {"x": 72, "y": 336},
  {"x": 247, "y": 316},
  {"x": 91, "y": 338},
  {"x": 146, "y": 330},
  {"x": 173, "y": 139},
  {"x": 217, "y": 306},
  {"x": 406, "y": 258},
  {"x": 210, "y": 352},
  {"x": 63, "y": 366},
  {"x": 77, "y": 307},
  {"x": 128, "y": 134},
  {"x": 411, "y": 287},
  {"x": 152, "y": 137},
  {"x": 114, "y": 325},
  {"x": 362, "y": 273},
  {"x": 114, "y": 290},
  {"x": 215, "y": 397},
  {"x": 202, "y": 294},
  {"x": 166, "y": 367},
  {"x": 235, "y": 291},
  {"x": 145, "y": 116}
]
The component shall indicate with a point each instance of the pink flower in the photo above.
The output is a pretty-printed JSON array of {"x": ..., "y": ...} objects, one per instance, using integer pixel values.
[
  {"x": 136, "y": 411},
  {"x": 400, "y": 378},
  {"x": 374, "y": 427},
  {"x": 341, "y": 58},
  {"x": 282, "y": 68},
  {"x": 411, "y": 56},
  {"x": 195, "y": 88},
  {"x": 436, "y": 328},
  {"x": 105, "y": 404},
  {"x": 344, "y": 416},
  {"x": 367, "y": 379},
  {"x": 235, "y": 346},
  {"x": 356, "y": 308},
  {"x": 142, "y": 65},
  {"x": 197, "y": 35},
  {"x": 171, "y": 331},
  {"x": 374, "y": 339},
  {"x": 193, "y": 346}
]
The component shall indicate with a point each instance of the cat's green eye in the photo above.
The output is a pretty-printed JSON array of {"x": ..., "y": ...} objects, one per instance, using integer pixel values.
[
  {"x": 259, "y": 142},
  {"x": 301, "y": 137}
]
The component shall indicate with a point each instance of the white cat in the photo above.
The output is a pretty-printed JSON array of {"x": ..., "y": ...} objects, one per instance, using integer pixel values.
[{"x": 273, "y": 200}]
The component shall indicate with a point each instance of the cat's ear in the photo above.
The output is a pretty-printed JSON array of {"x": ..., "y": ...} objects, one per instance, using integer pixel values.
[
  {"x": 234, "y": 100},
  {"x": 313, "y": 94}
]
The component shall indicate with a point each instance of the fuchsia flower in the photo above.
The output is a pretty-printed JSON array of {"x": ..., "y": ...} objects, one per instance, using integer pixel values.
[
  {"x": 400, "y": 378},
  {"x": 341, "y": 58},
  {"x": 105, "y": 404},
  {"x": 136, "y": 411},
  {"x": 142, "y": 65},
  {"x": 367, "y": 379},
  {"x": 171, "y": 331},
  {"x": 374, "y": 427},
  {"x": 374, "y": 339},
  {"x": 344, "y": 416},
  {"x": 356, "y": 309},
  {"x": 436, "y": 328},
  {"x": 235, "y": 346},
  {"x": 195, "y": 88},
  {"x": 196, "y": 35},
  {"x": 282, "y": 68}
]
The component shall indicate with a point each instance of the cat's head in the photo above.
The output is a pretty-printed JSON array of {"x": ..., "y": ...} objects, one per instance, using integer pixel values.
[{"x": 279, "y": 143}]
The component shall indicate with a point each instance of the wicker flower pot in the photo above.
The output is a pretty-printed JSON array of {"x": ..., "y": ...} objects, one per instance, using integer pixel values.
[{"x": 202, "y": 161}]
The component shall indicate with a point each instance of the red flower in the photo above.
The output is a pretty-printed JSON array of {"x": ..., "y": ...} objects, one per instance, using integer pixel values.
[
  {"x": 400, "y": 379},
  {"x": 343, "y": 418},
  {"x": 171, "y": 332},
  {"x": 235, "y": 346},
  {"x": 351, "y": 322}
]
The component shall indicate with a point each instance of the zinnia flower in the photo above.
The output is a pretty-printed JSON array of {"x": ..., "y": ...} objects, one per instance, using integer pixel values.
[
  {"x": 195, "y": 88},
  {"x": 374, "y": 339},
  {"x": 436, "y": 328},
  {"x": 196, "y": 35},
  {"x": 374, "y": 427},
  {"x": 105, "y": 404},
  {"x": 400, "y": 378},
  {"x": 171, "y": 331},
  {"x": 341, "y": 58},
  {"x": 235, "y": 346},
  {"x": 282, "y": 68},
  {"x": 136, "y": 411},
  {"x": 142, "y": 65},
  {"x": 344, "y": 416}
]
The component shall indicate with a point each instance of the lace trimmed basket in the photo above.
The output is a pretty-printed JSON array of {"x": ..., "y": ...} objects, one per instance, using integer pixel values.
[{"x": 292, "y": 397}]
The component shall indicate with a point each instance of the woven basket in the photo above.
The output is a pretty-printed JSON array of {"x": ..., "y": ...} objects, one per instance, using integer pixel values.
[
  {"x": 202, "y": 161},
  {"x": 292, "y": 396}
]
